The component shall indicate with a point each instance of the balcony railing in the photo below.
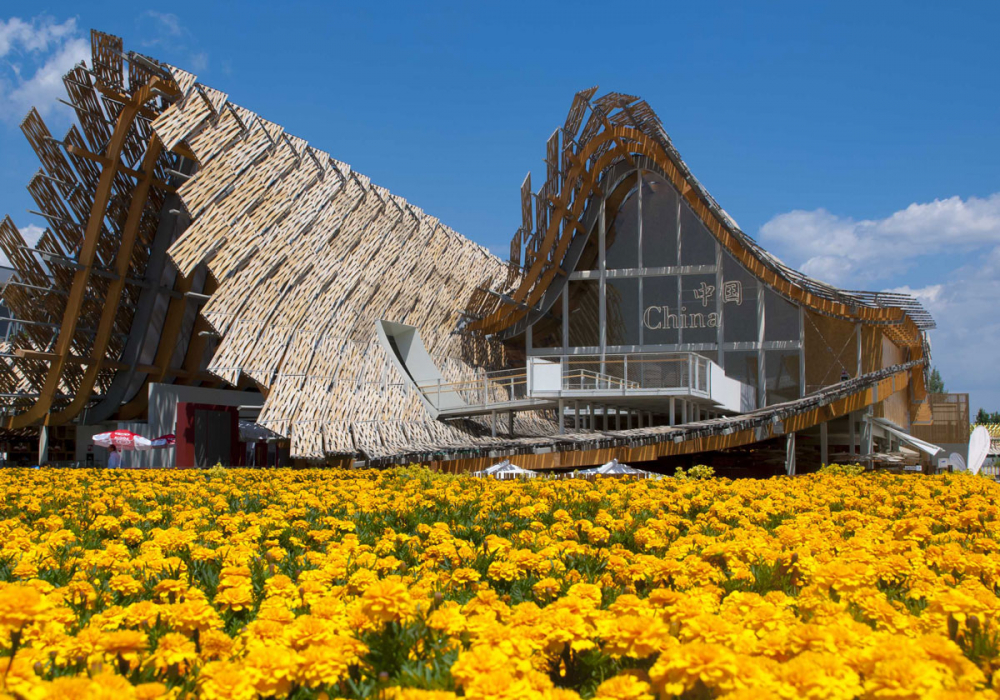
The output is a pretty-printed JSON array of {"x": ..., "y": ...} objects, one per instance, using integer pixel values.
[{"x": 546, "y": 379}]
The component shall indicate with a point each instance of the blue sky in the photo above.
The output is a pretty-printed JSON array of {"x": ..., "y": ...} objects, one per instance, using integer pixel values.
[{"x": 857, "y": 141}]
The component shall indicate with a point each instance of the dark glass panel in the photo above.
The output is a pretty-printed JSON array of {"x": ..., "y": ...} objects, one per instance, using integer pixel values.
[
  {"x": 781, "y": 317},
  {"x": 781, "y": 375},
  {"x": 547, "y": 331},
  {"x": 739, "y": 302},
  {"x": 659, "y": 222},
  {"x": 584, "y": 313},
  {"x": 697, "y": 244},
  {"x": 700, "y": 318},
  {"x": 659, "y": 311},
  {"x": 623, "y": 311},
  {"x": 622, "y": 236}
]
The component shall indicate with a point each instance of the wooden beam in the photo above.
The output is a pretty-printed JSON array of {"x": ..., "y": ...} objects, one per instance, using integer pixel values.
[{"x": 87, "y": 256}]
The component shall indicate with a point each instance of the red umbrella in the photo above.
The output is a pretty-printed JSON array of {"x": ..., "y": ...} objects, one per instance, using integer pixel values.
[{"x": 127, "y": 440}]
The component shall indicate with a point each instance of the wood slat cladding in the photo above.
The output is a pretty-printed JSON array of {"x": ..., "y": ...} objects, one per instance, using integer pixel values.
[{"x": 308, "y": 255}]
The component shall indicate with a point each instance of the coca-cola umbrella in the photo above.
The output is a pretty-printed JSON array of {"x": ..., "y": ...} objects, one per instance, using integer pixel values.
[{"x": 127, "y": 440}]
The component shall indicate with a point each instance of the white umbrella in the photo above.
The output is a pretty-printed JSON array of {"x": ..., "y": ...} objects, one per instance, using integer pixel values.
[
  {"x": 614, "y": 467},
  {"x": 506, "y": 470},
  {"x": 979, "y": 447}
]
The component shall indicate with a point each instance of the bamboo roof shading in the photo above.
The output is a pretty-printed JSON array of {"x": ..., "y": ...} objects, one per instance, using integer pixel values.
[{"x": 190, "y": 240}]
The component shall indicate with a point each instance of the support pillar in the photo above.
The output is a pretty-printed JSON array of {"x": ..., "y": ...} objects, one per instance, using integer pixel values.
[
  {"x": 867, "y": 439},
  {"x": 673, "y": 420},
  {"x": 850, "y": 434},
  {"x": 684, "y": 411},
  {"x": 824, "y": 444},
  {"x": 790, "y": 454},
  {"x": 510, "y": 424},
  {"x": 576, "y": 416},
  {"x": 562, "y": 416},
  {"x": 618, "y": 418},
  {"x": 605, "y": 409},
  {"x": 43, "y": 445},
  {"x": 628, "y": 418}
]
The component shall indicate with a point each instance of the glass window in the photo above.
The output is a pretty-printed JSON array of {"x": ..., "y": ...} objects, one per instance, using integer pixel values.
[
  {"x": 622, "y": 235},
  {"x": 698, "y": 306},
  {"x": 547, "y": 331},
  {"x": 781, "y": 375},
  {"x": 590, "y": 257},
  {"x": 781, "y": 317},
  {"x": 659, "y": 222},
  {"x": 584, "y": 313},
  {"x": 742, "y": 365},
  {"x": 739, "y": 302},
  {"x": 623, "y": 311},
  {"x": 659, "y": 311},
  {"x": 697, "y": 244}
]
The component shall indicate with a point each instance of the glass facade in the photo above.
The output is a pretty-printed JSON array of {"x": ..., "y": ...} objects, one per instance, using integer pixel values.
[{"x": 653, "y": 278}]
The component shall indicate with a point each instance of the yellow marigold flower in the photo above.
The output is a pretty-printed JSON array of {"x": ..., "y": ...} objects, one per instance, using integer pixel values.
[
  {"x": 234, "y": 598},
  {"x": 476, "y": 662},
  {"x": 132, "y": 536},
  {"x": 20, "y": 604},
  {"x": 170, "y": 589},
  {"x": 586, "y": 591},
  {"x": 215, "y": 644},
  {"x": 448, "y": 619},
  {"x": 418, "y": 694},
  {"x": 327, "y": 663},
  {"x": 598, "y": 536},
  {"x": 150, "y": 691},
  {"x": 464, "y": 576},
  {"x": 124, "y": 642},
  {"x": 223, "y": 680},
  {"x": 273, "y": 668},
  {"x": 386, "y": 601},
  {"x": 687, "y": 664},
  {"x": 124, "y": 584},
  {"x": 173, "y": 649},
  {"x": 818, "y": 676},
  {"x": 499, "y": 684},
  {"x": 637, "y": 636},
  {"x": 504, "y": 570},
  {"x": 625, "y": 687},
  {"x": 192, "y": 614},
  {"x": 546, "y": 588}
]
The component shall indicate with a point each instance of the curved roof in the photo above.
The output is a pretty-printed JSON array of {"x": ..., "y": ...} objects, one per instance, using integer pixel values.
[{"x": 622, "y": 128}]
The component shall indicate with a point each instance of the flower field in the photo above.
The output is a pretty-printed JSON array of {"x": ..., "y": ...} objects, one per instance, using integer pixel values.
[{"x": 405, "y": 584}]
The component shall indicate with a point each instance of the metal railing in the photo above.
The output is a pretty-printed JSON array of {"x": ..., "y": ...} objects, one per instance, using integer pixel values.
[
  {"x": 501, "y": 386},
  {"x": 637, "y": 371},
  {"x": 619, "y": 373}
]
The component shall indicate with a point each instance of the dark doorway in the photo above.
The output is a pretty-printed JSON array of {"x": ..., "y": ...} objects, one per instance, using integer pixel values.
[{"x": 212, "y": 438}]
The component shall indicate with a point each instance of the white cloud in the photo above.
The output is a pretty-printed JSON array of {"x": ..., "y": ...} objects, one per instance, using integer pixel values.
[
  {"x": 169, "y": 23},
  {"x": 36, "y": 54},
  {"x": 30, "y": 233},
  {"x": 966, "y": 343},
  {"x": 36, "y": 35},
  {"x": 842, "y": 250},
  {"x": 164, "y": 32}
]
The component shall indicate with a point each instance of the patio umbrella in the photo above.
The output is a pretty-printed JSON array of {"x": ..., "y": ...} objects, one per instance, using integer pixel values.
[
  {"x": 614, "y": 467},
  {"x": 506, "y": 470},
  {"x": 127, "y": 440}
]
